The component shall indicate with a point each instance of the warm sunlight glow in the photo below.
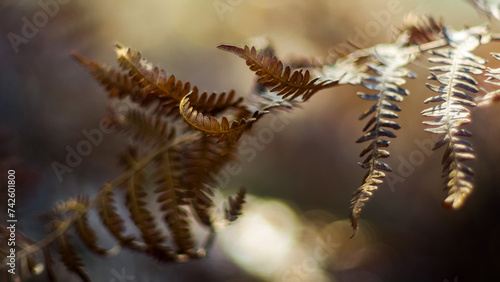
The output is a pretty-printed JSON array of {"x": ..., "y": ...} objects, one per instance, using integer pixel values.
[{"x": 262, "y": 239}]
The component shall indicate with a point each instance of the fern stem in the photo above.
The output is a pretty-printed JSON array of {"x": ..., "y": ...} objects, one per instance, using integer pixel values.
[
  {"x": 210, "y": 239},
  {"x": 427, "y": 46}
]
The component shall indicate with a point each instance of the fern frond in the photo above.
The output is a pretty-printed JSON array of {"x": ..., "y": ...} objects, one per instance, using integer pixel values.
[
  {"x": 173, "y": 198},
  {"x": 112, "y": 220},
  {"x": 492, "y": 77},
  {"x": 490, "y": 8},
  {"x": 116, "y": 82},
  {"x": 349, "y": 69},
  {"x": 390, "y": 72},
  {"x": 454, "y": 74},
  {"x": 151, "y": 77},
  {"x": 85, "y": 232},
  {"x": 422, "y": 29},
  {"x": 278, "y": 78},
  {"x": 70, "y": 258},
  {"x": 211, "y": 126},
  {"x": 235, "y": 204},
  {"x": 202, "y": 161},
  {"x": 144, "y": 126},
  {"x": 140, "y": 215}
]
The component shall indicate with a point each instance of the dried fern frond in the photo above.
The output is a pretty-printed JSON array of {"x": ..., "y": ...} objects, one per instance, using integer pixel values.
[
  {"x": 234, "y": 206},
  {"x": 490, "y": 8},
  {"x": 140, "y": 214},
  {"x": 278, "y": 78},
  {"x": 492, "y": 77},
  {"x": 173, "y": 198},
  {"x": 349, "y": 69},
  {"x": 203, "y": 160},
  {"x": 87, "y": 233},
  {"x": 152, "y": 77},
  {"x": 116, "y": 82},
  {"x": 389, "y": 62},
  {"x": 211, "y": 126},
  {"x": 70, "y": 258},
  {"x": 422, "y": 29},
  {"x": 112, "y": 220},
  {"x": 140, "y": 81},
  {"x": 455, "y": 74},
  {"x": 144, "y": 126}
]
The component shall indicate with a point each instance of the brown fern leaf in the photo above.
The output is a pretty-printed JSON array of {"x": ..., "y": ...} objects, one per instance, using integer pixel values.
[
  {"x": 152, "y": 78},
  {"x": 140, "y": 215},
  {"x": 422, "y": 29},
  {"x": 86, "y": 233},
  {"x": 117, "y": 83},
  {"x": 70, "y": 258},
  {"x": 235, "y": 205},
  {"x": 272, "y": 74},
  {"x": 173, "y": 198},
  {"x": 211, "y": 126},
  {"x": 144, "y": 126},
  {"x": 203, "y": 160},
  {"x": 112, "y": 220}
]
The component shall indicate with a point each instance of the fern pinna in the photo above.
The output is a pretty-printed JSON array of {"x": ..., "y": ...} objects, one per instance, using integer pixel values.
[{"x": 180, "y": 138}]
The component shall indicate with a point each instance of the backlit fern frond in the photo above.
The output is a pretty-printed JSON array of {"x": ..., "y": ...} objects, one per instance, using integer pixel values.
[
  {"x": 490, "y": 8},
  {"x": 456, "y": 89},
  {"x": 422, "y": 29},
  {"x": 390, "y": 72},
  {"x": 348, "y": 69},
  {"x": 493, "y": 78}
]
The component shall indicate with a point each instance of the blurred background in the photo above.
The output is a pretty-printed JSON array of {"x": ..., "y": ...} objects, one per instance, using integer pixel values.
[{"x": 295, "y": 226}]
